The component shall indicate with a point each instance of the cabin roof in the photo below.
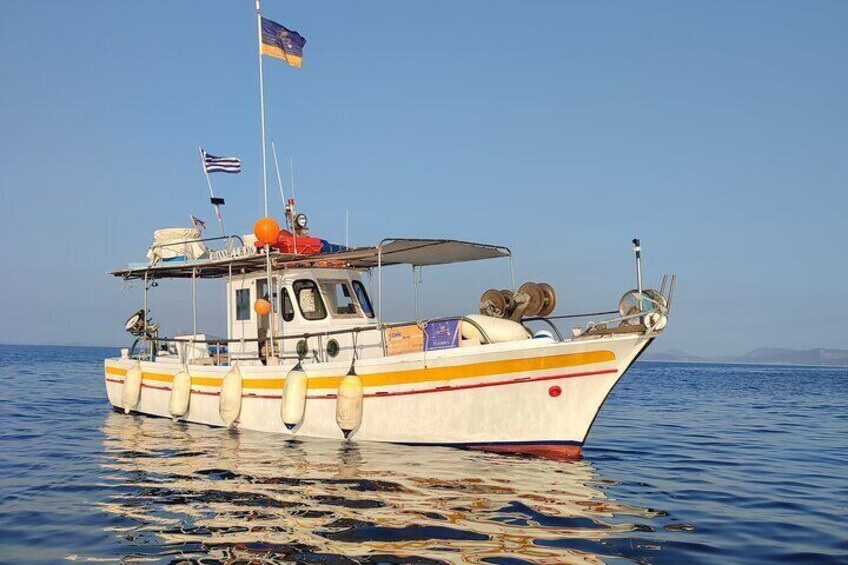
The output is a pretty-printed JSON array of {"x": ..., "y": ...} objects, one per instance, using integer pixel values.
[{"x": 393, "y": 251}]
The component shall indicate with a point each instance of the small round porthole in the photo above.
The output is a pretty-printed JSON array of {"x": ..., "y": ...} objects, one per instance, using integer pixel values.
[
  {"x": 302, "y": 349},
  {"x": 332, "y": 348}
]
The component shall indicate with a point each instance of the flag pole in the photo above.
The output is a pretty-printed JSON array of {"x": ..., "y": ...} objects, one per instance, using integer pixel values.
[
  {"x": 211, "y": 193},
  {"x": 271, "y": 317},
  {"x": 262, "y": 104}
]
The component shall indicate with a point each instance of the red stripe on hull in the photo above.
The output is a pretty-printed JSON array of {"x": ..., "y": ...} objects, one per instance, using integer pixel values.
[
  {"x": 384, "y": 394},
  {"x": 558, "y": 452}
]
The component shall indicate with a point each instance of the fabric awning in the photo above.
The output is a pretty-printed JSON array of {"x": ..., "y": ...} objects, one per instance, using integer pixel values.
[{"x": 415, "y": 252}]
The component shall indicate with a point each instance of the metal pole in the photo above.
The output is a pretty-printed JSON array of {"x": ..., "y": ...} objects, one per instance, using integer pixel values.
[
  {"x": 347, "y": 240},
  {"x": 291, "y": 170},
  {"x": 211, "y": 193},
  {"x": 671, "y": 291},
  {"x": 512, "y": 271},
  {"x": 379, "y": 283},
  {"x": 270, "y": 349},
  {"x": 229, "y": 308},
  {"x": 262, "y": 104},
  {"x": 145, "y": 306},
  {"x": 294, "y": 203},
  {"x": 415, "y": 291},
  {"x": 637, "y": 248},
  {"x": 194, "y": 302},
  {"x": 271, "y": 315},
  {"x": 280, "y": 181}
]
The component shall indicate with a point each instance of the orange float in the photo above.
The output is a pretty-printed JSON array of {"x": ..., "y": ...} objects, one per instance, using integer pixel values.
[
  {"x": 262, "y": 307},
  {"x": 266, "y": 230}
]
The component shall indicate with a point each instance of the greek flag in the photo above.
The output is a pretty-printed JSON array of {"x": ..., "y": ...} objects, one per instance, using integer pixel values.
[{"x": 215, "y": 164}]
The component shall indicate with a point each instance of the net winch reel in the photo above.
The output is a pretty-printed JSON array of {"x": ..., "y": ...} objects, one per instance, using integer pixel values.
[
  {"x": 529, "y": 301},
  {"x": 648, "y": 307}
]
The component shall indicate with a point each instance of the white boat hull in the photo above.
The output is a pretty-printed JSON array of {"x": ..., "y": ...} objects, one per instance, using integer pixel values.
[{"x": 536, "y": 396}]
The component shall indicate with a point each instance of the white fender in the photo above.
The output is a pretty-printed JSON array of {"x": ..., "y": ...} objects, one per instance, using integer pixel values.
[
  {"x": 180, "y": 394},
  {"x": 132, "y": 388},
  {"x": 497, "y": 329},
  {"x": 293, "y": 404},
  {"x": 349, "y": 403},
  {"x": 229, "y": 405}
]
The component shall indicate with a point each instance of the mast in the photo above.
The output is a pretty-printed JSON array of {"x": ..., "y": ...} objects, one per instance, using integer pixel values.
[
  {"x": 262, "y": 104},
  {"x": 270, "y": 350}
]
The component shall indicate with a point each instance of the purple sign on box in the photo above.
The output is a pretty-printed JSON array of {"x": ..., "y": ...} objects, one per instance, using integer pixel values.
[{"x": 443, "y": 334}]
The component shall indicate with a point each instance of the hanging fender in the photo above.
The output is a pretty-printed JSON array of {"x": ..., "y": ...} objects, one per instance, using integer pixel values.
[
  {"x": 132, "y": 388},
  {"x": 229, "y": 406},
  {"x": 180, "y": 394},
  {"x": 293, "y": 405},
  {"x": 349, "y": 403}
]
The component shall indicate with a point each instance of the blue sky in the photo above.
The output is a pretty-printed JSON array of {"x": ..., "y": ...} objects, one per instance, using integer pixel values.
[{"x": 716, "y": 132}]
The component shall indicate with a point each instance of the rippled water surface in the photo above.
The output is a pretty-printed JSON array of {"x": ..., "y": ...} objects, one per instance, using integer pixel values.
[{"x": 686, "y": 464}]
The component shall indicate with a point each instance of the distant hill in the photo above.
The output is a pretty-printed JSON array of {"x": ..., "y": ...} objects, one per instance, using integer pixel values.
[
  {"x": 762, "y": 356},
  {"x": 674, "y": 355}
]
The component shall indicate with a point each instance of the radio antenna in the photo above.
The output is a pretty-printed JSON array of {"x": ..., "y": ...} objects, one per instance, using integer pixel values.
[
  {"x": 291, "y": 168},
  {"x": 280, "y": 183}
]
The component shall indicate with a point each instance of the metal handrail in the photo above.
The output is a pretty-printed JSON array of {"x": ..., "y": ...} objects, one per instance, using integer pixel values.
[
  {"x": 625, "y": 318},
  {"x": 355, "y": 330},
  {"x": 202, "y": 240},
  {"x": 548, "y": 320}
]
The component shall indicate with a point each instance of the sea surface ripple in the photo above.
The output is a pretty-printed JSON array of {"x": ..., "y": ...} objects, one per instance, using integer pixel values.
[{"x": 686, "y": 464}]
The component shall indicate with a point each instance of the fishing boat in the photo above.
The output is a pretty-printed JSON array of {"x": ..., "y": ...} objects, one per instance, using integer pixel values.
[
  {"x": 307, "y": 353},
  {"x": 315, "y": 358}
]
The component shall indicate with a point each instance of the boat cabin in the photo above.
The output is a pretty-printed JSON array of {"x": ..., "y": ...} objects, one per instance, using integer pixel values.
[
  {"x": 320, "y": 307},
  {"x": 317, "y": 304}
]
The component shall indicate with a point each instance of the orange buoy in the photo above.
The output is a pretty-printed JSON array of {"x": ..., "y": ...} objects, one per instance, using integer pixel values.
[
  {"x": 262, "y": 307},
  {"x": 266, "y": 230}
]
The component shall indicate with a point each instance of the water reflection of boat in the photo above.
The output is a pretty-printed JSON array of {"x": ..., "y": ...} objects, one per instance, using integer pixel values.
[{"x": 191, "y": 492}]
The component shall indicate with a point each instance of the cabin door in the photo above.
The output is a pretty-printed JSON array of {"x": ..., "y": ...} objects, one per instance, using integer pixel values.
[{"x": 263, "y": 322}]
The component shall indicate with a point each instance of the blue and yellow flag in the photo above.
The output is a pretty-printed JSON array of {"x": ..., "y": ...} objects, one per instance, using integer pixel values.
[{"x": 282, "y": 43}]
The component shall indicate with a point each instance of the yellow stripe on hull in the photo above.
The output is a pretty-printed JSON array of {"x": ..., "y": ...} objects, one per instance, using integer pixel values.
[{"x": 413, "y": 376}]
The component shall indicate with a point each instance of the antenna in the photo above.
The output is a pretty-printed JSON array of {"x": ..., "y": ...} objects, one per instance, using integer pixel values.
[
  {"x": 637, "y": 248},
  {"x": 280, "y": 182},
  {"x": 291, "y": 168},
  {"x": 347, "y": 239}
]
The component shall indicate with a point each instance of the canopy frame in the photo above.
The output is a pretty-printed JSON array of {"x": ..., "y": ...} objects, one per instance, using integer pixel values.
[{"x": 391, "y": 251}]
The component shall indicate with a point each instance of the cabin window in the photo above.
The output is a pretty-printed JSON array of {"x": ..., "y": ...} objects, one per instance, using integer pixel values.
[
  {"x": 288, "y": 308},
  {"x": 340, "y": 299},
  {"x": 362, "y": 296},
  {"x": 309, "y": 300},
  {"x": 243, "y": 304}
]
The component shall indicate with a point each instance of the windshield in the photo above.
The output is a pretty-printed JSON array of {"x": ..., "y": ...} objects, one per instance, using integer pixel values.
[{"x": 339, "y": 299}]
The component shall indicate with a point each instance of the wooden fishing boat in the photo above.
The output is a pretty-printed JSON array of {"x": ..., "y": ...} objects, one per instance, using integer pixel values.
[{"x": 315, "y": 358}]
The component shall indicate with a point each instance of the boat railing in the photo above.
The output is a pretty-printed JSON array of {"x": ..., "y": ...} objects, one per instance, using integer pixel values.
[
  {"x": 633, "y": 322},
  {"x": 230, "y": 239},
  {"x": 153, "y": 349},
  {"x": 551, "y": 320}
]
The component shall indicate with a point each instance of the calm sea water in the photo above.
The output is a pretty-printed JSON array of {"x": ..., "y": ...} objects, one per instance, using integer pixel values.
[{"x": 686, "y": 464}]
